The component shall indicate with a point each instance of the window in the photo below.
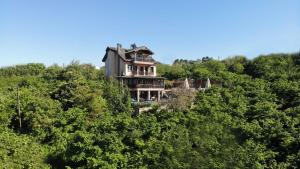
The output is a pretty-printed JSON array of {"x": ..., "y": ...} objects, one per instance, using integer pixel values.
[
  {"x": 129, "y": 68},
  {"x": 152, "y": 69}
]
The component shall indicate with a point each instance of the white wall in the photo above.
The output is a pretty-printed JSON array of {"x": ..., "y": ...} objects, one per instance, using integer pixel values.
[{"x": 154, "y": 70}]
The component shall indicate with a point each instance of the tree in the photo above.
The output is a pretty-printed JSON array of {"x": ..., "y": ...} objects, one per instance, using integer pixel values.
[
  {"x": 117, "y": 96},
  {"x": 21, "y": 152},
  {"x": 236, "y": 64},
  {"x": 72, "y": 117},
  {"x": 181, "y": 100}
]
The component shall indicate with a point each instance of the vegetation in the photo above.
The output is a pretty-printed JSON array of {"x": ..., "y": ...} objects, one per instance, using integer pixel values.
[{"x": 71, "y": 117}]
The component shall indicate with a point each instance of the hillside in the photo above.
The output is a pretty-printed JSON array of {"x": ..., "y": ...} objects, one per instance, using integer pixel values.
[{"x": 60, "y": 117}]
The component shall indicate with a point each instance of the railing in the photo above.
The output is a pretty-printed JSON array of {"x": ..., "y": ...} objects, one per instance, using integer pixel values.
[
  {"x": 146, "y": 85},
  {"x": 141, "y": 73},
  {"x": 150, "y": 85},
  {"x": 150, "y": 73},
  {"x": 143, "y": 59}
]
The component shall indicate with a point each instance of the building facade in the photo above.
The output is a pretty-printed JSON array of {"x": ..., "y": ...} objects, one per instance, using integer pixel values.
[{"x": 136, "y": 68}]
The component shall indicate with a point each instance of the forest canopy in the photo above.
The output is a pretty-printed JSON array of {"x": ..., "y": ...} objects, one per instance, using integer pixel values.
[{"x": 72, "y": 117}]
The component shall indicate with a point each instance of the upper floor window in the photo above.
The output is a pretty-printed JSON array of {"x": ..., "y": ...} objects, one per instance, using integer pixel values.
[
  {"x": 152, "y": 69},
  {"x": 129, "y": 68}
]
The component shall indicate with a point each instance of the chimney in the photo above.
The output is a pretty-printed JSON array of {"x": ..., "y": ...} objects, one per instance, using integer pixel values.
[
  {"x": 133, "y": 46},
  {"x": 119, "y": 46}
]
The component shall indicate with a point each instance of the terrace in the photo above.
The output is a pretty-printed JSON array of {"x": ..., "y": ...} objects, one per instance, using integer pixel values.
[
  {"x": 144, "y": 82},
  {"x": 143, "y": 59}
]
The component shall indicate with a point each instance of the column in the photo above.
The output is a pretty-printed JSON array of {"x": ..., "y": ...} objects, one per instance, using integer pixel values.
[
  {"x": 158, "y": 96},
  {"x": 137, "y": 70},
  {"x": 138, "y": 95},
  {"x": 144, "y": 70},
  {"x": 149, "y": 96},
  {"x": 126, "y": 69}
]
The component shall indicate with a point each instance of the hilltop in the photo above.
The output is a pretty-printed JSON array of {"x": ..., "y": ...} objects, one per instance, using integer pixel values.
[{"x": 71, "y": 116}]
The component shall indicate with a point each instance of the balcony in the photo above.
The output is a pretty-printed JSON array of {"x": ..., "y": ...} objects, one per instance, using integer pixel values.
[
  {"x": 150, "y": 85},
  {"x": 144, "y": 83},
  {"x": 142, "y": 73},
  {"x": 143, "y": 59}
]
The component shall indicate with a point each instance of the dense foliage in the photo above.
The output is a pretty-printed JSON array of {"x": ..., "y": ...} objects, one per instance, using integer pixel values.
[{"x": 72, "y": 117}]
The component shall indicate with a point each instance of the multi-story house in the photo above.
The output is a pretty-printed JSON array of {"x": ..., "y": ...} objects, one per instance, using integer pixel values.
[{"x": 135, "y": 68}]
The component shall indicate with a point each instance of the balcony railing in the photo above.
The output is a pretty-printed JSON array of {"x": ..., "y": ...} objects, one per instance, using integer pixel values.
[
  {"x": 150, "y": 73},
  {"x": 150, "y": 85},
  {"x": 141, "y": 73},
  {"x": 145, "y": 83},
  {"x": 144, "y": 59}
]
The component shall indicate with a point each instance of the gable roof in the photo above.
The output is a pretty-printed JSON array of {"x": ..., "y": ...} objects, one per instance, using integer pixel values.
[{"x": 121, "y": 54}]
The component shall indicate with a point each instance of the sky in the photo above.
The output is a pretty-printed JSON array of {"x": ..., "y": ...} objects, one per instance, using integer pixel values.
[{"x": 59, "y": 31}]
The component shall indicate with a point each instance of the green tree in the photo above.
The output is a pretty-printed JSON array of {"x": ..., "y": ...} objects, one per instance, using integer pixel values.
[
  {"x": 21, "y": 152},
  {"x": 117, "y": 96}
]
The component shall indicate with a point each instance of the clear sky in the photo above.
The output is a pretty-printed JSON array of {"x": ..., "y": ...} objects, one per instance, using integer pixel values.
[{"x": 59, "y": 31}]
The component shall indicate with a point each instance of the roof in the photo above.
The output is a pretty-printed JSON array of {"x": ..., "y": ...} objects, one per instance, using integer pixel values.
[
  {"x": 122, "y": 54},
  {"x": 141, "y": 48},
  {"x": 125, "y": 51}
]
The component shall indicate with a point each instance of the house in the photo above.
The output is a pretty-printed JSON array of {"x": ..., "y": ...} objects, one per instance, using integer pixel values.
[{"x": 136, "y": 68}]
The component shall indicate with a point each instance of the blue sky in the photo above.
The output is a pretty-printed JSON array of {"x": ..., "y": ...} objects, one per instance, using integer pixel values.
[{"x": 59, "y": 31}]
